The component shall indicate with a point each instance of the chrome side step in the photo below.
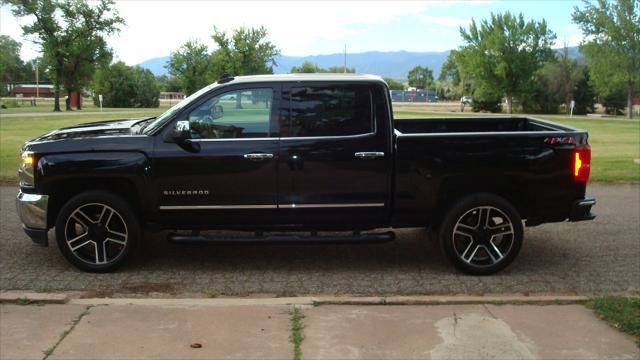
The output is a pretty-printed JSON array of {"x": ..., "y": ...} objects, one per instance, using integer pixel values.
[{"x": 284, "y": 239}]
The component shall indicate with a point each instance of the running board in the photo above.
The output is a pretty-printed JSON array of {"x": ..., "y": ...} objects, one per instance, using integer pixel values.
[{"x": 284, "y": 239}]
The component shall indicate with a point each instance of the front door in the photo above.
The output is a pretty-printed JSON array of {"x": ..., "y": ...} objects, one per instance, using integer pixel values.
[
  {"x": 225, "y": 174},
  {"x": 334, "y": 161}
]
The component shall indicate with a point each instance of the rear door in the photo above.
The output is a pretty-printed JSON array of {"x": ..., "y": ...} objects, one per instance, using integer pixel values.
[{"x": 335, "y": 158}]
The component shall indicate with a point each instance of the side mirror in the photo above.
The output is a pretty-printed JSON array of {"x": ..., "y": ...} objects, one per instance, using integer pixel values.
[{"x": 181, "y": 131}]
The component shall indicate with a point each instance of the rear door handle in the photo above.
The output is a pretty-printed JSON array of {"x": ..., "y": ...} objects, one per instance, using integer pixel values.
[
  {"x": 369, "y": 154},
  {"x": 258, "y": 156}
]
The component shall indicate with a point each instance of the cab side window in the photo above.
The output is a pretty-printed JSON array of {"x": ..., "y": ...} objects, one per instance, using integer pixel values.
[
  {"x": 242, "y": 113},
  {"x": 334, "y": 110}
]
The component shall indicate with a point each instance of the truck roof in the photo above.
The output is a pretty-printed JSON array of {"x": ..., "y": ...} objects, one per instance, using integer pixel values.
[{"x": 304, "y": 77}]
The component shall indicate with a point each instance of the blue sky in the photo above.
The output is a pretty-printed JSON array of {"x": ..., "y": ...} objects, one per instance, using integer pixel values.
[{"x": 307, "y": 28}]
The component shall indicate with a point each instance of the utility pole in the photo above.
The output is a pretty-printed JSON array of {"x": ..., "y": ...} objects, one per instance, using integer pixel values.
[
  {"x": 344, "y": 68},
  {"x": 37, "y": 82}
]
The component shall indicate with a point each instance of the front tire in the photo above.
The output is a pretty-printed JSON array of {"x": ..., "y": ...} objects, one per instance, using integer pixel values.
[
  {"x": 96, "y": 231},
  {"x": 481, "y": 234}
]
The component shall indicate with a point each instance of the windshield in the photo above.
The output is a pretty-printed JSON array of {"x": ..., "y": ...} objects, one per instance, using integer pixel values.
[{"x": 167, "y": 115}]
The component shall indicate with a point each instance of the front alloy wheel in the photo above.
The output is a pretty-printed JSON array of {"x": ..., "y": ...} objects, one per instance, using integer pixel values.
[{"x": 95, "y": 231}]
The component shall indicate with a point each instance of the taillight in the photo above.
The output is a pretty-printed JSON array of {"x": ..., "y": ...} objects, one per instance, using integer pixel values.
[{"x": 581, "y": 163}]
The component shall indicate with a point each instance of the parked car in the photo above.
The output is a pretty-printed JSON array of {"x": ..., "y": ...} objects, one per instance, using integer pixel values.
[
  {"x": 283, "y": 154},
  {"x": 466, "y": 100}
]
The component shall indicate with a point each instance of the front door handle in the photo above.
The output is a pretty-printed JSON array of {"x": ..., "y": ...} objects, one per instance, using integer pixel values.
[
  {"x": 258, "y": 156},
  {"x": 369, "y": 154}
]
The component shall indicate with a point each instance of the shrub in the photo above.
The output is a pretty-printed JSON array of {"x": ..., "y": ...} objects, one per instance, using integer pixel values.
[
  {"x": 126, "y": 86},
  {"x": 486, "y": 100}
]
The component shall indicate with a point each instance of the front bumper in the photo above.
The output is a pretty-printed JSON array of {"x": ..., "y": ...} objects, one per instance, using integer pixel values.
[
  {"x": 32, "y": 210},
  {"x": 581, "y": 210}
]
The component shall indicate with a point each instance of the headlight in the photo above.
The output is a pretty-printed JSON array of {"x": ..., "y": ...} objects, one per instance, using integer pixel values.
[{"x": 25, "y": 172}]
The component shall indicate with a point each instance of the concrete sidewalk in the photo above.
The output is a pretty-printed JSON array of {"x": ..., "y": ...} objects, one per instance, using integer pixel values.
[{"x": 262, "y": 328}]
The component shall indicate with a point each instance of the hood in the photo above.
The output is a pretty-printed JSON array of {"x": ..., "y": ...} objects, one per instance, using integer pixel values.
[{"x": 93, "y": 130}]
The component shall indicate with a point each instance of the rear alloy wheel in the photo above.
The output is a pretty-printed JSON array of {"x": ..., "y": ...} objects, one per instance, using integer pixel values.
[
  {"x": 482, "y": 234},
  {"x": 95, "y": 231}
]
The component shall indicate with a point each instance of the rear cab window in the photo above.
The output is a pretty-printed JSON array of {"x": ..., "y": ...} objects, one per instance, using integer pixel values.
[{"x": 318, "y": 110}]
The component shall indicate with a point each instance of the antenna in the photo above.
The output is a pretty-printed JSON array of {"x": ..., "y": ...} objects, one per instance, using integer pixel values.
[{"x": 344, "y": 68}]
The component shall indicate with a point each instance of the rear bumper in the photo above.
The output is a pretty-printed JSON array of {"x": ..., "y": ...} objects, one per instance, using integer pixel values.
[
  {"x": 581, "y": 210},
  {"x": 32, "y": 210}
]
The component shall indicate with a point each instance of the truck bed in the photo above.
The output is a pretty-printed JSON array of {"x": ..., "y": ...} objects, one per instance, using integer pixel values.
[
  {"x": 525, "y": 160},
  {"x": 474, "y": 125}
]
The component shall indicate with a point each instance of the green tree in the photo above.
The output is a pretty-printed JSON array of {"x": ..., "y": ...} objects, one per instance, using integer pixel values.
[
  {"x": 125, "y": 86},
  {"x": 87, "y": 48},
  {"x": 191, "y": 65},
  {"x": 583, "y": 93},
  {"x": 612, "y": 48},
  {"x": 394, "y": 84},
  {"x": 10, "y": 62},
  {"x": 246, "y": 51},
  {"x": 454, "y": 82},
  {"x": 66, "y": 30},
  {"x": 145, "y": 88},
  {"x": 168, "y": 84},
  {"x": 503, "y": 53},
  {"x": 341, "y": 69},
  {"x": 307, "y": 67},
  {"x": 420, "y": 77}
]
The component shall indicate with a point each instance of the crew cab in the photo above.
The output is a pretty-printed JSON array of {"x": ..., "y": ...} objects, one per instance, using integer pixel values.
[{"x": 303, "y": 158}]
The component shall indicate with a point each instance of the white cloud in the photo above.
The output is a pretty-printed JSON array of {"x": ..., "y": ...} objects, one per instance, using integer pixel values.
[
  {"x": 572, "y": 40},
  {"x": 445, "y": 21},
  {"x": 155, "y": 28},
  {"x": 10, "y": 26}
]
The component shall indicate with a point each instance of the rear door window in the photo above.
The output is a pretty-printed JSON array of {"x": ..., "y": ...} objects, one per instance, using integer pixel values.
[{"x": 330, "y": 110}]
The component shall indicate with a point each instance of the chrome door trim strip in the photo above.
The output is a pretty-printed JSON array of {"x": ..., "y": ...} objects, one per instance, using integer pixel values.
[
  {"x": 308, "y": 206},
  {"x": 235, "y": 139},
  {"x": 286, "y": 206},
  {"x": 215, "y": 207}
]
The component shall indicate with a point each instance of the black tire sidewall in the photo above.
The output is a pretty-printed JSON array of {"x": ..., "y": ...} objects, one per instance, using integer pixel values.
[
  {"x": 109, "y": 199},
  {"x": 464, "y": 205}
]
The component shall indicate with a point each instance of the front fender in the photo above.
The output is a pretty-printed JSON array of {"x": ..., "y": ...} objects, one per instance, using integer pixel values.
[{"x": 57, "y": 171}]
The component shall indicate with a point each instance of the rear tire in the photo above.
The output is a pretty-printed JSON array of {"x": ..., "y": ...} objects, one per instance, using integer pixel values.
[
  {"x": 96, "y": 231},
  {"x": 481, "y": 234}
]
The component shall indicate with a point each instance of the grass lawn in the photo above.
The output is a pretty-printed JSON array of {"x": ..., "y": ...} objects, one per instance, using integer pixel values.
[
  {"x": 621, "y": 312},
  {"x": 615, "y": 142},
  {"x": 14, "y": 131},
  {"x": 46, "y": 105}
]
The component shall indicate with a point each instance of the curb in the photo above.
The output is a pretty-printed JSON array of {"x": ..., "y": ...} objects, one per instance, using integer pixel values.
[
  {"x": 27, "y": 298},
  {"x": 345, "y": 300},
  {"x": 295, "y": 301},
  {"x": 454, "y": 300}
]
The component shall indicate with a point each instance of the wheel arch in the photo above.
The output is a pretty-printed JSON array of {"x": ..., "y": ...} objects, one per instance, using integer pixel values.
[
  {"x": 453, "y": 190},
  {"x": 63, "y": 191}
]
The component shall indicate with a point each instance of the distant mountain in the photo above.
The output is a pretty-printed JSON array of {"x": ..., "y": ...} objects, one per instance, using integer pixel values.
[
  {"x": 156, "y": 65},
  {"x": 395, "y": 64}
]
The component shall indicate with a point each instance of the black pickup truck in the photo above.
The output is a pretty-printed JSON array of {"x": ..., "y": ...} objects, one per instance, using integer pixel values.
[{"x": 301, "y": 159}]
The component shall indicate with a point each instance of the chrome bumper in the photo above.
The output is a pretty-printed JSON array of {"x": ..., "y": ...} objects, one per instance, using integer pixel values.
[{"x": 32, "y": 210}]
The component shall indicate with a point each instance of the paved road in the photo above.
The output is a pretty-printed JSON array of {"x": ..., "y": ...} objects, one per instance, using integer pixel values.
[{"x": 588, "y": 257}]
